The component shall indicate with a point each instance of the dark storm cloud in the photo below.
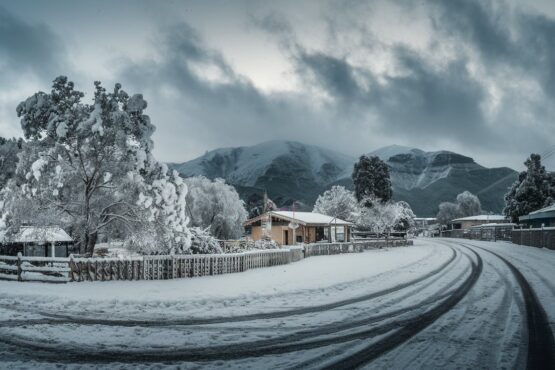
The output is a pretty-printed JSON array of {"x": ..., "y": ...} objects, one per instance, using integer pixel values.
[
  {"x": 28, "y": 48},
  {"x": 333, "y": 74},
  {"x": 430, "y": 100},
  {"x": 445, "y": 101},
  {"x": 492, "y": 90},
  {"x": 520, "y": 39},
  {"x": 423, "y": 99},
  {"x": 225, "y": 111}
]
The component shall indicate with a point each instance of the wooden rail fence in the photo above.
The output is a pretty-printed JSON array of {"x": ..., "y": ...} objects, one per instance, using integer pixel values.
[{"x": 76, "y": 269}]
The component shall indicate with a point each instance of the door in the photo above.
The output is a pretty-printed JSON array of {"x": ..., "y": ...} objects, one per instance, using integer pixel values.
[{"x": 285, "y": 237}]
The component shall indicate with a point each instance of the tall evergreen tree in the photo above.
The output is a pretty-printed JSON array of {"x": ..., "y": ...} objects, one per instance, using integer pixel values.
[
  {"x": 531, "y": 191},
  {"x": 371, "y": 179}
]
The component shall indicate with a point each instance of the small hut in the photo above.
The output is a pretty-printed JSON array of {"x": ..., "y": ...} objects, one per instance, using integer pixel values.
[{"x": 39, "y": 241}]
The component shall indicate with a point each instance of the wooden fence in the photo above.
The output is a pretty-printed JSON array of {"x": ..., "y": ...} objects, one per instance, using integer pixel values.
[
  {"x": 541, "y": 238},
  {"x": 167, "y": 266},
  {"x": 323, "y": 249}
]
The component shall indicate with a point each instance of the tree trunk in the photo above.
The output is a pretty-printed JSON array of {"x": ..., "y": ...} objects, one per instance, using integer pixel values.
[{"x": 91, "y": 242}]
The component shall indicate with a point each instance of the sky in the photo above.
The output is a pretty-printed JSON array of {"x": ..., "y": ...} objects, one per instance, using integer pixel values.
[{"x": 474, "y": 77}]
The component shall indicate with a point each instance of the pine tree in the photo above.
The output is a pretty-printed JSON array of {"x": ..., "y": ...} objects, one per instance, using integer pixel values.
[
  {"x": 532, "y": 190},
  {"x": 371, "y": 179}
]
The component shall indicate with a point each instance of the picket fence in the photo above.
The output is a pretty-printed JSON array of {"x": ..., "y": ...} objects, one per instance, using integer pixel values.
[{"x": 77, "y": 269}]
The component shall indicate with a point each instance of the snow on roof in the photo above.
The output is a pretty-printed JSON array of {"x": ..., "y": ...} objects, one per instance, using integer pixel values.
[
  {"x": 32, "y": 234},
  {"x": 481, "y": 218},
  {"x": 550, "y": 208},
  {"x": 310, "y": 217},
  {"x": 305, "y": 218},
  {"x": 492, "y": 225}
]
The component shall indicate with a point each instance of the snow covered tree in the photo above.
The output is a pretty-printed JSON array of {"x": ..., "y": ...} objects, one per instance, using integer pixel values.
[
  {"x": 404, "y": 217},
  {"x": 447, "y": 211},
  {"x": 91, "y": 166},
  {"x": 469, "y": 204},
  {"x": 259, "y": 203},
  {"x": 532, "y": 190},
  {"x": 337, "y": 202},
  {"x": 466, "y": 204},
  {"x": 216, "y": 206},
  {"x": 9, "y": 150},
  {"x": 383, "y": 218},
  {"x": 371, "y": 179}
]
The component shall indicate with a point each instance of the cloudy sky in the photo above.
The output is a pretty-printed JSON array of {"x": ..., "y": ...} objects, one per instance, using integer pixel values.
[{"x": 475, "y": 77}]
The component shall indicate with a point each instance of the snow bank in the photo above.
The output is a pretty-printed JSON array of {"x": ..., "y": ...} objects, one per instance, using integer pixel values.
[{"x": 312, "y": 273}]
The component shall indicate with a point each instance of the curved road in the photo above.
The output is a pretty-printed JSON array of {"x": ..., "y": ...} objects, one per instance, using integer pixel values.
[{"x": 479, "y": 307}]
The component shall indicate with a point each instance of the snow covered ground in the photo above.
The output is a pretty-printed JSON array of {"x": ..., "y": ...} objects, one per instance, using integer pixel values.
[{"x": 442, "y": 303}]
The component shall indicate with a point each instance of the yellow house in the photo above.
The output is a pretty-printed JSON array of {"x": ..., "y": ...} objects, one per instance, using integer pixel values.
[{"x": 285, "y": 227}]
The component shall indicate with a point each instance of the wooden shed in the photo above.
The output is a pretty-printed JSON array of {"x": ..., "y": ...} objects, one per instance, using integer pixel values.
[
  {"x": 39, "y": 241},
  {"x": 287, "y": 227}
]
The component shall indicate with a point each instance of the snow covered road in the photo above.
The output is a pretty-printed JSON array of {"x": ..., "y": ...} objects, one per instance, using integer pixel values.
[{"x": 443, "y": 303}]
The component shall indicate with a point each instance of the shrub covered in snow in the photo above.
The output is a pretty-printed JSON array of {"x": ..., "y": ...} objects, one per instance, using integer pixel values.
[{"x": 204, "y": 243}]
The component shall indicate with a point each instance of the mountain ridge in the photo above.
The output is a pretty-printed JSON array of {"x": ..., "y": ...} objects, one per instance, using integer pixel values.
[{"x": 292, "y": 171}]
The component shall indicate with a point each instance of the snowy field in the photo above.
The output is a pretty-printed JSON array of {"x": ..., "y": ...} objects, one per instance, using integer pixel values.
[{"x": 442, "y": 303}]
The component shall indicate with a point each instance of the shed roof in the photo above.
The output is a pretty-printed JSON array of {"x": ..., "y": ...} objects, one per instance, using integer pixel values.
[
  {"x": 303, "y": 218},
  {"x": 481, "y": 218},
  {"x": 34, "y": 234}
]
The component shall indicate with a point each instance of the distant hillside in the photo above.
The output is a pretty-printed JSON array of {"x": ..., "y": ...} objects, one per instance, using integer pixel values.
[
  {"x": 291, "y": 171},
  {"x": 287, "y": 170}
]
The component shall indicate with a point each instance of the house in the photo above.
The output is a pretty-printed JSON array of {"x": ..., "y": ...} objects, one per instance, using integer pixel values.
[
  {"x": 426, "y": 226},
  {"x": 468, "y": 222},
  {"x": 39, "y": 241},
  {"x": 287, "y": 227},
  {"x": 541, "y": 217}
]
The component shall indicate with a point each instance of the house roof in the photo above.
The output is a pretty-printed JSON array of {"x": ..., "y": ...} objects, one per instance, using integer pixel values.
[
  {"x": 492, "y": 225},
  {"x": 303, "y": 218},
  {"x": 546, "y": 212},
  {"x": 481, "y": 218},
  {"x": 33, "y": 234}
]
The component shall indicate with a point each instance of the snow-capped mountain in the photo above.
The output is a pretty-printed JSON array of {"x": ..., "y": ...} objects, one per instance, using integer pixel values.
[
  {"x": 425, "y": 179},
  {"x": 287, "y": 170},
  {"x": 415, "y": 168},
  {"x": 291, "y": 171}
]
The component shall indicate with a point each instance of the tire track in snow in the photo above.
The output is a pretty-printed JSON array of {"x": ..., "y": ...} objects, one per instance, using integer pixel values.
[
  {"x": 241, "y": 318},
  {"x": 410, "y": 329},
  {"x": 243, "y": 351},
  {"x": 231, "y": 352},
  {"x": 469, "y": 336},
  {"x": 541, "y": 344}
]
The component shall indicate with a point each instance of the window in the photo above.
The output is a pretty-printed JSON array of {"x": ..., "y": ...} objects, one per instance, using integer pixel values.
[{"x": 338, "y": 233}]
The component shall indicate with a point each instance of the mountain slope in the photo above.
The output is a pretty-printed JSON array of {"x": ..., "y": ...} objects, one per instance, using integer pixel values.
[
  {"x": 287, "y": 170},
  {"x": 291, "y": 171}
]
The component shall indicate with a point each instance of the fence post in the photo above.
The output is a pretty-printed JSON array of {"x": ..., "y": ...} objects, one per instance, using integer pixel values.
[
  {"x": 71, "y": 264},
  {"x": 19, "y": 270}
]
